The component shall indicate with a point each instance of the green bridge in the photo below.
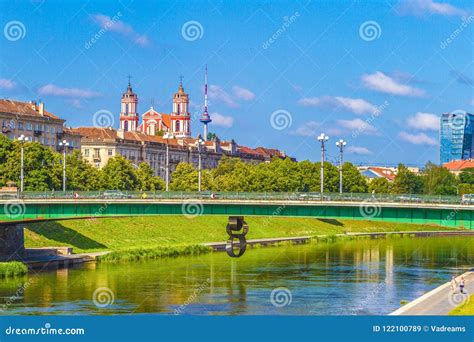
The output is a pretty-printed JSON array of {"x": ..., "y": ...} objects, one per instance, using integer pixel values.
[{"x": 14, "y": 213}]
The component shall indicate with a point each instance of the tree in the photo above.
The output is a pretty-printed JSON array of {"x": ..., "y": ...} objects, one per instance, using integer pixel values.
[
  {"x": 80, "y": 174},
  {"x": 147, "y": 181},
  {"x": 38, "y": 166},
  {"x": 467, "y": 176},
  {"x": 185, "y": 178},
  {"x": 380, "y": 186},
  {"x": 211, "y": 136},
  {"x": 352, "y": 179},
  {"x": 406, "y": 182},
  {"x": 119, "y": 174},
  {"x": 437, "y": 180},
  {"x": 5, "y": 148}
]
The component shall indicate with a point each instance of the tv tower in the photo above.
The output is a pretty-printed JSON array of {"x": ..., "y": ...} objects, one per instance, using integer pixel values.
[{"x": 205, "y": 118}]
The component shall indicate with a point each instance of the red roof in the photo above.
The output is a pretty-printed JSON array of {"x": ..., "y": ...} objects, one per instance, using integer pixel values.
[
  {"x": 459, "y": 165},
  {"x": 24, "y": 108},
  {"x": 384, "y": 172}
]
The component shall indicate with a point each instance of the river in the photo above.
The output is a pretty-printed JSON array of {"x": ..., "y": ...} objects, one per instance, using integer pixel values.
[{"x": 363, "y": 277}]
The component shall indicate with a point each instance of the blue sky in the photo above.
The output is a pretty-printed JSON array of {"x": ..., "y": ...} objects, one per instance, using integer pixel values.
[{"x": 376, "y": 73}]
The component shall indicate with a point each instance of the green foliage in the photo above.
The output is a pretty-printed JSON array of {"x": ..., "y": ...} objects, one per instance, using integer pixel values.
[
  {"x": 352, "y": 179},
  {"x": 185, "y": 178},
  {"x": 437, "y": 180},
  {"x": 119, "y": 174},
  {"x": 38, "y": 161},
  {"x": 147, "y": 181},
  {"x": 279, "y": 175},
  {"x": 406, "y": 182},
  {"x": 134, "y": 254},
  {"x": 466, "y": 188},
  {"x": 12, "y": 269},
  {"x": 211, "y": 136},
  {"x": 80, "y": 174},
  {"x": 466, "y": 176},
  {"x": 380, "y": 186}
]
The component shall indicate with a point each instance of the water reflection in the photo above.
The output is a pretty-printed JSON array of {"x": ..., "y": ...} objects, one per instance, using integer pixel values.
[{"x": 358, "y": 277}]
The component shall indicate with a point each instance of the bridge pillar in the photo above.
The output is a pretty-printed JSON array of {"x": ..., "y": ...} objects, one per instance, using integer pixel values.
[{"x": 12, "y": 242}]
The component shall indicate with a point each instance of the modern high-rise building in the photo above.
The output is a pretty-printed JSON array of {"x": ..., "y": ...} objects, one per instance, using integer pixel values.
[{"x": 456, "y": 136}]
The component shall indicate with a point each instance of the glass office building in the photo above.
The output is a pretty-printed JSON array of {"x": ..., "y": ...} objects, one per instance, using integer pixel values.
[{"x": 456, "y": 136}]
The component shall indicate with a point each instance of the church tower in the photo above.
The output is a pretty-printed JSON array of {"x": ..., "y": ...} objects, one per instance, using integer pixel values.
[
  {"x": 128, "y": 112},
  {"x": 180, "y": 116}
]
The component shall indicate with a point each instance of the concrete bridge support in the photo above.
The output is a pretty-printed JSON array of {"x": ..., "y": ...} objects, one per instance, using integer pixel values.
[{"x": 12, "y": 242}]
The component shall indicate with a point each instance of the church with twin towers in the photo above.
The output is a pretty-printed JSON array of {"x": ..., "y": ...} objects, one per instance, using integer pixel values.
[{"x": 176, "y": 124}]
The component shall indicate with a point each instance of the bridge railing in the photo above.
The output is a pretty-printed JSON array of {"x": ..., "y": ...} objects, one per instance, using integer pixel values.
[{"x": 257, "y": 196}]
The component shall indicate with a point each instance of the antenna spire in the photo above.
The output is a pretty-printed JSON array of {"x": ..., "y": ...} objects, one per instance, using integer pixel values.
[{"x": 205, "y": 117}]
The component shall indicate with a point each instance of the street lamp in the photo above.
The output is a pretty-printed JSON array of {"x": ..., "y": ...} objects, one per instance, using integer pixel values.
[
  {"x": 341, "y": 144},
  {"x": 199, "y": 144},
  {"x": 64, "y": 144},
  {"x": 22, "y": 139},
  {"x": 322, "y": 138},
  {"x": 166, "y": 137}
]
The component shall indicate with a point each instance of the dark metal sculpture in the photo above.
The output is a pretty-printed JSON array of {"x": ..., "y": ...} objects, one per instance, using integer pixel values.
[{"x": 237, "y": 228}]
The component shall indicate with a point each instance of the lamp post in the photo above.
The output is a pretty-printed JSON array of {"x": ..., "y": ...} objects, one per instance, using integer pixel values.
[
  {"x": 322, "y": 138},
  {"x": 22, "y": 139},
  {"x": 167, "y": 136},
  {"x": 64, "y": 144},
  {"x": 341, "y": 144},
  {"x": 199, "y": 143}
]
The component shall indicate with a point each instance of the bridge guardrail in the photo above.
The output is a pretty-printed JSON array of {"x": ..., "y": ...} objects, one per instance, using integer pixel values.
[{"x": 288, "y": 196}]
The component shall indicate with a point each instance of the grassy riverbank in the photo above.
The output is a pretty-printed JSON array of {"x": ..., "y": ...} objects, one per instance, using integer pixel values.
[
  {"x": 467, "y": 309},
  {"x": 12, "y": 269},
  {"x": 134, "y": 254},
  {"x": 144, "y": 232}
]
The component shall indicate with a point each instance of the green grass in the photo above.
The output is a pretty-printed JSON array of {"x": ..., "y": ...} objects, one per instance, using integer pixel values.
[
  {"x": 12, "y": 269},
  {"x": 134, "y": 254},
  {"x": 466, "y": 309},
  {"x": 168, "y": 230}
]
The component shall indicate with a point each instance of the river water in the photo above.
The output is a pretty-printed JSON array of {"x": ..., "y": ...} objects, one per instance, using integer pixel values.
[{"x": 365, "y": 277}]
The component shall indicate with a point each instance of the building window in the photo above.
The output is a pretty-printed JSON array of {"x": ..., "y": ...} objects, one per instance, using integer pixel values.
[
  {"x": 86, "y": 152},
  {"x": 12, "y": 124},
  {"x": 53, "y": 130},
  {"x": 177, "y": 126},
  {"x": 46, "y": 141},
  {"x": 20, "y": 125},
  {"x": 28, "y": 126},
  {"x": 109, "y": 152},
  {"x": 46, "y": 128}
]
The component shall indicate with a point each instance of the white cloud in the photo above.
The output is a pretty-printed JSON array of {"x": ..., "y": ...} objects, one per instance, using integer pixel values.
[
  {"x": 53, "y": 90},
  {"x": 357, "y": 106},
  {"x": 361, "y": 126},
  {"x": 7, "y": 84},
  {"x": 385, "y": 84},
  {"x": 308, "y": 129},
  {"x": 122, "y": 28},
  {"x": 359, "y": 150},
  {"x": 423, "y": 122},
  {"x": 218, "y": 94},
  {"x": 221, "y": 120},
  {"x": 427, "y": 7},
  {"x": 243, "y": 94},
  {"x": 417, "y": 139}
]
